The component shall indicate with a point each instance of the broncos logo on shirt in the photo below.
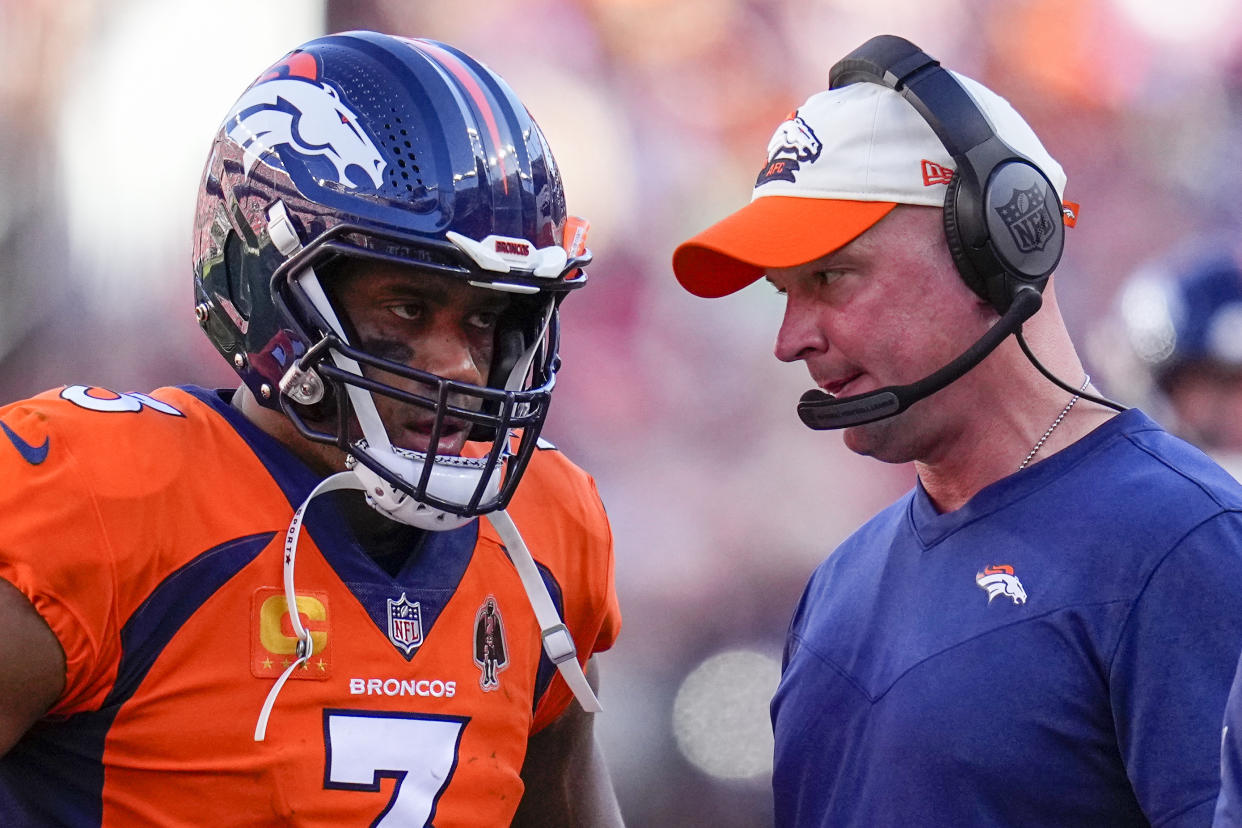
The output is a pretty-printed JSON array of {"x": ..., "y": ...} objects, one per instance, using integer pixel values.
[{"x": 1000, "y": 580}]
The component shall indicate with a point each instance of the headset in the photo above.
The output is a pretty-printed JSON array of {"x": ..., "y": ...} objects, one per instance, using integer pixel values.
[{"x": 1002, "y": 220}]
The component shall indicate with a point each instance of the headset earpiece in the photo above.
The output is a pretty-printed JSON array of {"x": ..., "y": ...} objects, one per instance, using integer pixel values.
[
  {"x": 1002, "y": 216},
  {"x": 952, "y": 234},
  {"x": 1025, "y": 231}
]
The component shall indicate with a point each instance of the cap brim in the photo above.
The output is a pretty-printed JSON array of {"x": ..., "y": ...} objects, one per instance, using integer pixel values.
[{"x": 772, "y": 231}]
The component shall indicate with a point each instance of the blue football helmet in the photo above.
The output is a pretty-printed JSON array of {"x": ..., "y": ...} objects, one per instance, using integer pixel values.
[
  {"x": 1186, "y": 310},
  {"x": 367, "y": 146}
]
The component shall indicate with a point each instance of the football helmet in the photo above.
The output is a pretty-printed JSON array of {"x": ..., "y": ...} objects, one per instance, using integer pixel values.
[
  {"x": 1186, "y": 310},
  {"x": 1181, "y": 317},
  {"x": 409, "y": 152}
]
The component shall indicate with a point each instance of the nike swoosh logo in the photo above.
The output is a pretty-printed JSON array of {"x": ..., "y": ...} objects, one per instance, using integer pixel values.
[{"x": 34, "y": 455}]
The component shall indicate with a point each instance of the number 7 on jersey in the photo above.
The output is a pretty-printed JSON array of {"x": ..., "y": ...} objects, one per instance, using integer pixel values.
[{"x": 418, "y": 751}]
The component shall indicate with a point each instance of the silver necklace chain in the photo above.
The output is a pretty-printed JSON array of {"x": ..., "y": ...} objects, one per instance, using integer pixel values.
[{"x": 1035, "y": 449}]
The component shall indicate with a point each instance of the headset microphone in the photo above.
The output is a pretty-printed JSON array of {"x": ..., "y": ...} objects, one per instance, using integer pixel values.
[{"x": 820, "y": 410}]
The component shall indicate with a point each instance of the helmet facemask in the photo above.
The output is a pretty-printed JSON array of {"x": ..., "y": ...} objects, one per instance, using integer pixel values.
[{"x": 336, "y": 392}]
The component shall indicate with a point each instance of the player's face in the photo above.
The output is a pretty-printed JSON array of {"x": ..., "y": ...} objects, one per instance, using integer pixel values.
[
  {"x": 429, "y": 322},
  {"x": 886, "y": 309}
]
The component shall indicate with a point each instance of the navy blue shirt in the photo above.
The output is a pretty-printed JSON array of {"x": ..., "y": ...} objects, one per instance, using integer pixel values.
[{"x": 1055, "y": 652}]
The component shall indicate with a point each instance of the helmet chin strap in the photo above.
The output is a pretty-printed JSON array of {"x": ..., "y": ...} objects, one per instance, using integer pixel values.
[
  {"x": 305, "y": 645},
  {"x": 452, "y": 479},
  {"x": 558, "y": 643}
]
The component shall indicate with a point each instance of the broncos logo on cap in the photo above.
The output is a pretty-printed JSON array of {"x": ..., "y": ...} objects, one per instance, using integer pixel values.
[
  {"x": 1000, "y": 580},
  {"x": 795, "y": 139},
  {"x": 290, "y": 107},
  {"x": 793, "y": 143}
]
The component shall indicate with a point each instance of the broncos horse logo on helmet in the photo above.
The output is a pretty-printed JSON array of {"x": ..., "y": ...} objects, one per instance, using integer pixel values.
[{"x": 310, "y": 119}]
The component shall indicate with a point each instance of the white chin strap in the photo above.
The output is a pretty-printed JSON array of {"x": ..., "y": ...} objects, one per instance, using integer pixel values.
[
  {"x": 305, "y": 647},
  {"x": 557, "y": 641}
]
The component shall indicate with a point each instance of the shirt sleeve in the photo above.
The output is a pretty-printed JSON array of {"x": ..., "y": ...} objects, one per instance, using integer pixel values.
[
  {"x": 54, "y": 550},
  {"x": 1172, "y": 671}
]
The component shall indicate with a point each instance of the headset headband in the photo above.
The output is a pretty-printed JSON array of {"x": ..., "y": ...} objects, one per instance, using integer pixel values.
[{"x": 991, "y": 178}]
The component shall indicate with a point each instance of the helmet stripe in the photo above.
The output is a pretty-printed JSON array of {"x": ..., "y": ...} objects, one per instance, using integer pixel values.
[{"x": 457, "y": 69}]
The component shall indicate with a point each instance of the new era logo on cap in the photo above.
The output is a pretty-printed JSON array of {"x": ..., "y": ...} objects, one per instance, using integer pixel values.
[{"x": 934, "y": 173}]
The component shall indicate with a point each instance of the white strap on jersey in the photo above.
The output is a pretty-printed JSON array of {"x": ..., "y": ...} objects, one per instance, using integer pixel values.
[
  {"x": 305, "y": 647},
  {"x": 557, "y": 642}
]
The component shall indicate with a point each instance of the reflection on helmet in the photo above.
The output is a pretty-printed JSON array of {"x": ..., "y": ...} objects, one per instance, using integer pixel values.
[{"x": 369, "y": 146}]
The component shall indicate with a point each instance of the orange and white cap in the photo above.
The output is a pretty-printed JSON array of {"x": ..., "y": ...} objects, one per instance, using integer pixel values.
[{"x": 836, "y": 166}]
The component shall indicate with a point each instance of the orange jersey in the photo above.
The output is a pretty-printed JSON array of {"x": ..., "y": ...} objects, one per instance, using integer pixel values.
[{"x": 148, "y": 531}]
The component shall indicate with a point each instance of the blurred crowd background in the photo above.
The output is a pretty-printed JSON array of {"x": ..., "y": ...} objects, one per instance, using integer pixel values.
[{"x": 659, "y": 112}]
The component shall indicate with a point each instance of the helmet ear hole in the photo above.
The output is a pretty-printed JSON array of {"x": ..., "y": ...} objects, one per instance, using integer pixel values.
[
  {"x": 510, "y": 345},
  {"x": 235, "y": 273},
  {"x": 325, "y": 413}
]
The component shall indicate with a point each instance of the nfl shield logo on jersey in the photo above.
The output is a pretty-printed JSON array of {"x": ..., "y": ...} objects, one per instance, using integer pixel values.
[{"x": 405, "y": 624}]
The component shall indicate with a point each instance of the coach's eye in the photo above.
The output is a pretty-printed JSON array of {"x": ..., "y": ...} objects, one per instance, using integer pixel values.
[{"x": 827, "y": 277}]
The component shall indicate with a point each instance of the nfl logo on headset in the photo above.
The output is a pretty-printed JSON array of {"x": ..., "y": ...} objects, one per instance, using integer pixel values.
[
  {"x": 405, "y": 624},
  {"x": 1028, "y": 219}
]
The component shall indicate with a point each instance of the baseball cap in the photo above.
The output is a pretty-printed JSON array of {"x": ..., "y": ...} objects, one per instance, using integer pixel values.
[{"x": 836, "y": 166}]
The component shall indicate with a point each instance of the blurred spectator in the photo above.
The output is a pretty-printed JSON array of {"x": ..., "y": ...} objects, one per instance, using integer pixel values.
[{"x": 1182, "y": 318}]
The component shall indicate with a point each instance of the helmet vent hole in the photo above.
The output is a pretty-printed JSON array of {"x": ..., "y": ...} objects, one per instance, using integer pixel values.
[{"x": 401, "y": 146}]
